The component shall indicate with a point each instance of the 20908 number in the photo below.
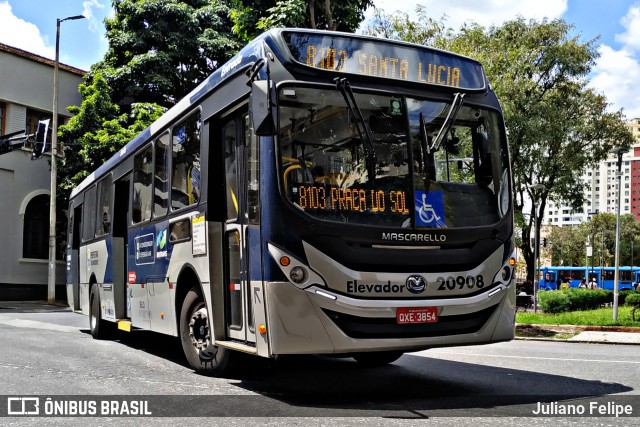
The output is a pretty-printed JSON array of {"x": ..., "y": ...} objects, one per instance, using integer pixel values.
[{"x": 460, "y": 282}]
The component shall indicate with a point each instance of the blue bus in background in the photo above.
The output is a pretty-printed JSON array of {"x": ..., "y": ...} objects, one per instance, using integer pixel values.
[{"x": 552, "y": 277}]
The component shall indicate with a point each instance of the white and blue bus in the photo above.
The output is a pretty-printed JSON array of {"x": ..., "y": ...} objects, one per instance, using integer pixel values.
[{"x": 320, "y": 193}]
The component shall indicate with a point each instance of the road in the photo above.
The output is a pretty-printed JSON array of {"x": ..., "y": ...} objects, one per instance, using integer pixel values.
[{"x": 51, "y": 354}]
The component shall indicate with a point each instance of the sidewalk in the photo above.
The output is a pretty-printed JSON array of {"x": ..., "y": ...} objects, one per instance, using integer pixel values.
[{"x": 584, "y": 334}]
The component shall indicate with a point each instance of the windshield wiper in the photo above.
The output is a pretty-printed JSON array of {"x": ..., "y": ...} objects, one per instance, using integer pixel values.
[
  {"x": 342, "y": 84},
  {"x": 448, "y": 122},
  {"x": 426, "y": 153}
]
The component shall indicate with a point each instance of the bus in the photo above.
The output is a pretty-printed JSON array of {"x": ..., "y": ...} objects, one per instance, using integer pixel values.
[
  {"x": 319, "y": 193},
  {"x": 553, "y": 277}
]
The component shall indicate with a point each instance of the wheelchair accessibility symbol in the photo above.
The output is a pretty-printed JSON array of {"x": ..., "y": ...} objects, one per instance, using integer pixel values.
[{"x": 429, "y": 209}]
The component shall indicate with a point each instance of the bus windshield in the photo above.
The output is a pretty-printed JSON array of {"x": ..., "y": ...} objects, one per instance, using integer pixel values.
[{"x": 437, "y": 164}]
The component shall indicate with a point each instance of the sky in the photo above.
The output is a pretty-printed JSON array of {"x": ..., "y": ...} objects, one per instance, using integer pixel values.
[{"x": 31, "y": 25}]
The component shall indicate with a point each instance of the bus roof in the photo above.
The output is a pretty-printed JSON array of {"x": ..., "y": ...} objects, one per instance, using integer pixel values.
[{"x": 325, "y": 51}]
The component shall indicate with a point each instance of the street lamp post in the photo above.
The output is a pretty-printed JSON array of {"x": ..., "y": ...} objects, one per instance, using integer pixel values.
[
  {"x": 51, "y": 278},
  {"x": 616, "y": 279},
  {"x": 535, "y": 188}
]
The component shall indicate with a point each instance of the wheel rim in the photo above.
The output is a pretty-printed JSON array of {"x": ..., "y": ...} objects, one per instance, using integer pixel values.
[{"x": 199, "y": 331}]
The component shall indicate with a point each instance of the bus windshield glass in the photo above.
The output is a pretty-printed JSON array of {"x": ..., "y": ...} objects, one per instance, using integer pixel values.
[{"x": 437, "y": 164}]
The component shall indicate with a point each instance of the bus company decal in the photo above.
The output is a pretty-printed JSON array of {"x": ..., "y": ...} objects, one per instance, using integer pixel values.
[
  {"x": 161, "y": 244},
  {"x": 145, "y": 249},
  {"x": 415, "y": 237},
  {"x": 359, "y": 287},
  {"x": 416, "y": 284}
]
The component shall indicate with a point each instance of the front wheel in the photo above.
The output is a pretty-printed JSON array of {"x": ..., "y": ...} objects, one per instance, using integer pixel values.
[
  {"x": 377, "y": 358},
  {"x": 197, "y": 339}
]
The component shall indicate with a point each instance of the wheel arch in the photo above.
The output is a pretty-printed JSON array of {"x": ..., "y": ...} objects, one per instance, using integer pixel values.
[{"x": 187, "y": 280}]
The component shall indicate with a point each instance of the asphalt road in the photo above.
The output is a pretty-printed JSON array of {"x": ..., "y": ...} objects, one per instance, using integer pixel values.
[{"x": 49, "y": 353}]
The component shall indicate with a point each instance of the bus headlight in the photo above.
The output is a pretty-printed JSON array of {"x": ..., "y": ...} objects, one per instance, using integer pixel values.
[
  {"x": 297, "y": 274},
  {"x": 506, "y": 273},
  {"x": 295, "y": 270}
]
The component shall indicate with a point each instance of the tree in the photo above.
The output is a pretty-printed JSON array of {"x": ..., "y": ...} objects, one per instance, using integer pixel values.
[
  {"x": 557, "y": 125},
  {"x": 252, "y": 17},
  {"x": 423, "y": 30},
  {"x": 159, "y": 50},
  {"x": 95, "y": 132}
]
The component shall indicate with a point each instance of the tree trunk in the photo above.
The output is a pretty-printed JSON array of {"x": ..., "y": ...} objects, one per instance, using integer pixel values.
[
  {"x": 328, "y": 14},
  {"x": 312, "y": 13}
]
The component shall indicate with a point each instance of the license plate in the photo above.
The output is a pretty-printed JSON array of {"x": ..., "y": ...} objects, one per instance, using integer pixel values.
[{"x": 410, "y": 315}]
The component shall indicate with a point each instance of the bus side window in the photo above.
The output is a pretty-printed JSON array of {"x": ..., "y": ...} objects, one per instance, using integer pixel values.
[
  {"x": 161, "y": 176},
  {"x": 185, "y": 177},
  {"x": 88, "y": 216},
  {"x": 231, "y": 168},
  {"x": 142, "y": 185},
  {"x": 103, "y": 211}
]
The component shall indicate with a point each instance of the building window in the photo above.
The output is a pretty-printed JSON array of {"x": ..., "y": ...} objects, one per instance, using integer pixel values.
[
  {"x": 35, "y": 235},
  {"x": 33, "y": 117}
]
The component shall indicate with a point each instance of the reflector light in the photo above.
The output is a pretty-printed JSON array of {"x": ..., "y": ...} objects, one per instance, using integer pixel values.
[
  {"x": 285, "y": 261},
  {"x": 512, "y": 262},
  {"x": 262, "y": 328}
]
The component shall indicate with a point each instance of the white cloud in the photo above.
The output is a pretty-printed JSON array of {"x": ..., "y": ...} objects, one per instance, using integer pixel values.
[
  {"x": 617, "y": 72},
  {"x": 486, "y": 13},
  {"x": 24, "y": 35},
  {"x": 630, "y": 39},
  {"x": 88, "y": 7},
  {"x": 616, "y": 75}
]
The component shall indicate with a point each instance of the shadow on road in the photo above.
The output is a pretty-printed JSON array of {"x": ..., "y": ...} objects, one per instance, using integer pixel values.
[{"x": 412, "y": 387}]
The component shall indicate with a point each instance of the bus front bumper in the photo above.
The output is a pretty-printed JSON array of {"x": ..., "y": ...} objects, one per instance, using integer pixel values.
[{"x": 316, "y": 320}]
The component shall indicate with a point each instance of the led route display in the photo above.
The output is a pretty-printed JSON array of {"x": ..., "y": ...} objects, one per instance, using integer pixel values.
[
  {"x": 384, "y": 59},
  {"x": 312, "y": 197}
]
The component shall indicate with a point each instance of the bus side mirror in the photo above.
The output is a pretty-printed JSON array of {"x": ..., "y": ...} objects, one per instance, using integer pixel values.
[
  {"x": 43, "y": 140},
  {"x": 262, "y": 118}
]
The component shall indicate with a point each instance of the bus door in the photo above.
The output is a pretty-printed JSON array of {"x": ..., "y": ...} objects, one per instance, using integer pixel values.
[
  {"x": 239, "y": 309},
  {"x": 73, "y": 264},
  {"x": 120, "y": 220}
]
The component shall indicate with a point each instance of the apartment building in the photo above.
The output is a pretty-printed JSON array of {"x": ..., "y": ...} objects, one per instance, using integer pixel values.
[{"x": 601, "y": 188}]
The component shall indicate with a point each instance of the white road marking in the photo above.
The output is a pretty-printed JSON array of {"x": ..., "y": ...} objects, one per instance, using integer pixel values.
[
  {"x": 34, "y": 324},
  {"x": 504, "y": 356}
]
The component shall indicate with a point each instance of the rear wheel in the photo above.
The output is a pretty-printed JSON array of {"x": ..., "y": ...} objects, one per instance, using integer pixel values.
[
  {"x": 197, "y": 339},
  {"x": 100, "y": 329},
  {"x": 377, "y": 358}
]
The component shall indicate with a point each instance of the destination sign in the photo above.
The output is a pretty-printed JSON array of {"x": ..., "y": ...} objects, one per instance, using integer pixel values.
[
  {"x": 380, "y": 58},
  {"x": 313, "y": 197}
]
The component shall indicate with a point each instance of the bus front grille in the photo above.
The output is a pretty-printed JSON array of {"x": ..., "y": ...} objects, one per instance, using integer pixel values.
[{"x": 385, "y": 327}]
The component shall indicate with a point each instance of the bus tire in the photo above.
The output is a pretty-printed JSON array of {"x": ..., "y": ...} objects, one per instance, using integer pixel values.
[
  {"x": 100, "y": 329},
  {"x": 377, "y": 358},
  {"x": 197, "y": 338}
]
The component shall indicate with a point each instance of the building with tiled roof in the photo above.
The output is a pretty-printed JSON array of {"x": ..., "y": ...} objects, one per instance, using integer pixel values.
[{"x": 26, "y": 96}]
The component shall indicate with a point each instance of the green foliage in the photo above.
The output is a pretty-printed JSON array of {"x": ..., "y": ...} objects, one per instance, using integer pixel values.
[
  {"x": 96, "y": 132},
  {"x": 632, "y": 300},
  {"x": 553, "y": 301},
  {"x": 574, "y": 299},
  {"x": 599, "y": 317},
  {"x": 159, "y": 50},
  {"x": 286, "y": 13},
  {"x": 399, "y": 26},
  {"x": 251, "y": 17}
]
